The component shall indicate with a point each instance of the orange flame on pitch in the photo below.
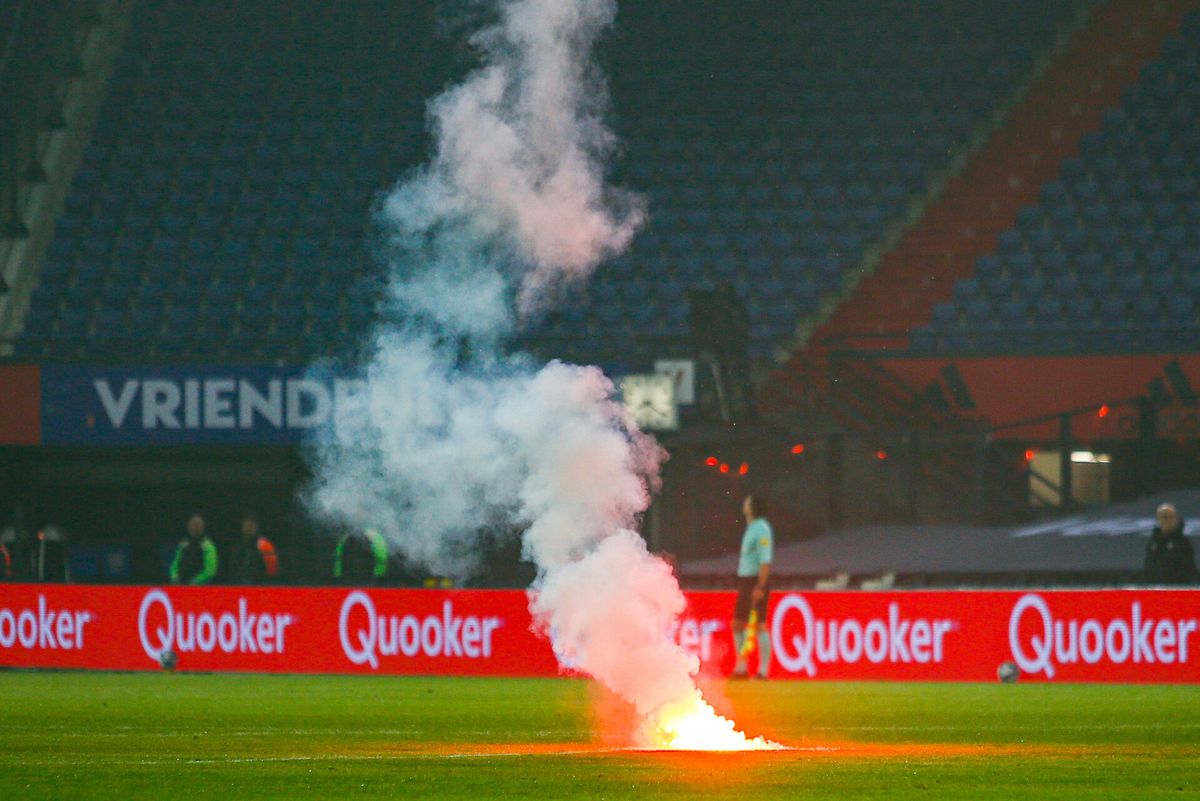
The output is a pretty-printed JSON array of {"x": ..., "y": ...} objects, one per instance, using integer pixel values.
[{"x": 692, "y": 724}]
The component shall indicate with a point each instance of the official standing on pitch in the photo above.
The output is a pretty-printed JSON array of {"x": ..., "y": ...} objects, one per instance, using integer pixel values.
[
  {"x": 753, "y": 585},
  {"x": 195, "y": 559}
]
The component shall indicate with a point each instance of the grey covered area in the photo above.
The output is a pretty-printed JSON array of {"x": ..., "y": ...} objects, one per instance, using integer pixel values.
[{"x": 1104, "y": 543}]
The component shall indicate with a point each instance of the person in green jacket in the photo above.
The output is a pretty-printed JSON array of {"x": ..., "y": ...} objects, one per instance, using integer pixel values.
[
  {"x": 361, "y": 557},
  {"x": 195, "y": 559}
]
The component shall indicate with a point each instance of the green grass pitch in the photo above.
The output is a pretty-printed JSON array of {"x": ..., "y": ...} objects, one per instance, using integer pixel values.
[{"x": 195, "y": 737}]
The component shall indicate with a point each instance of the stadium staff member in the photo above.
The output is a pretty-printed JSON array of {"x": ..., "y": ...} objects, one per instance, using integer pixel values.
[
  {"x": 255, "y": 561},
  {"x": 195, "y": 559},
  {"x": 361, "y": 557},
  {"x": 753, "y": 588},
  {"x": 1169, "y": 555}
]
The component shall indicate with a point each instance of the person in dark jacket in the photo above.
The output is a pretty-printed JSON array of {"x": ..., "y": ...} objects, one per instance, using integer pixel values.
[
  {"x": 1169, "y": 555},
  {"x": 195, "y": 559},
  {"x": 255, "y": 561}
]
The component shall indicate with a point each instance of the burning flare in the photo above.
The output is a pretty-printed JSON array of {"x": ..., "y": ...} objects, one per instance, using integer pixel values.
[
  {"x": 452, "y": 435},
  {"x": 693, "y": 725}
]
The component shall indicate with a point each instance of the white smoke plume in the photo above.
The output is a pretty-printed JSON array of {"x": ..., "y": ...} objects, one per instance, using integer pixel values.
[
  {"x": 451, "y": 436},
  {"x": 517, "y": 178}
]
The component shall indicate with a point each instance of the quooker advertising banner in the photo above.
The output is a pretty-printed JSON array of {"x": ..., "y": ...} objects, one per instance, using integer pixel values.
[{"x": 1091, "y": 636}]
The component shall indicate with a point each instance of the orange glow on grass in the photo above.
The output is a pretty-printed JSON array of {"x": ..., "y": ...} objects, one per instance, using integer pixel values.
[
  {"x": 798, "y": 448},
  {"x": 724, "y": 467},
  {"x": 613, "y": 719},
  {"x": 1103, "y": 410},
  {"x": 711, "y": 461},
  {"x": 828, "y": 750},
  {"x": 744, "y": 469}
]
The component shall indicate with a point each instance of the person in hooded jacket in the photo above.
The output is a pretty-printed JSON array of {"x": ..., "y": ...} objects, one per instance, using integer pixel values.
[{"x": 1170, "y": 558}]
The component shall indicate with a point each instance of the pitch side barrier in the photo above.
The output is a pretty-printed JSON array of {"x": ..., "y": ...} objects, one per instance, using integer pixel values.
[{"x": 1134, "y": 635}]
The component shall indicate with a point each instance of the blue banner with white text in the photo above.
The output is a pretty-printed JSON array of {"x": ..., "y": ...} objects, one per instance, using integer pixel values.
[{"x": 96, "y": 405}]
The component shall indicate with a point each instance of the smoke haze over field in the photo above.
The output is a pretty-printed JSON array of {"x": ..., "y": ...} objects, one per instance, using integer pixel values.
[{"x": 451, "y": 436}]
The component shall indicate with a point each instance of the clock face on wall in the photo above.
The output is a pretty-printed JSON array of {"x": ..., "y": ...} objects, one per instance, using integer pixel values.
[{"x": 650, "y": 398}]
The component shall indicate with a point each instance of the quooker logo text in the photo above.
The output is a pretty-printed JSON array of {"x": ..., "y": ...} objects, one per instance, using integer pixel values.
[
  {"x": 44, "y": 627},
  {"x": 161, "y": 628},
  {"x": 820, "y": 641},
  {"x": 366, "y": 634},
  {"x": 1055, "y": 642}
]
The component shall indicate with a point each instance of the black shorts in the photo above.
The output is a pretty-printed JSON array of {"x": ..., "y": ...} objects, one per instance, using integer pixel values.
[{"x": 745, "y": 594}]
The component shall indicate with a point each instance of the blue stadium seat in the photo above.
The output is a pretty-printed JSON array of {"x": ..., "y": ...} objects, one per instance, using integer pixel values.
[
  {"x": 1082, "y": 312},
  {"x": 1009, "y": 243},
  {"x": 1012, "y": 312},
  {"x": 977, "y": 313},
  {"x": 1130, "y": 282},
  {"x": 1054, "y": 262},
  {"x": 966, "y": 290},
  {"x": 998, "y": 286},
  {"x": 1065, "y": 285},
  {"x": 1047, "y": 311},
  {"x": 1031, "y": 286},
  {"x": 945, "y": 315},
  {"x": 1147, "y": 310},
  {"x": 1181, "y": 312}
]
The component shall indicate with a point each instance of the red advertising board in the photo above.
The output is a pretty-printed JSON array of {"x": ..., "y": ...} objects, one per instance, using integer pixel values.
[
  {"x": 1101, "y": 636},
  {"x": 1098, "y": 635}
]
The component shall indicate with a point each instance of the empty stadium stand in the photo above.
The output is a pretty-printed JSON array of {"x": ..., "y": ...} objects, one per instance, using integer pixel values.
[
  {"x": 221, "y": 212},
  {"x": 1109, "y": 259},
  {"x": 980, "y": 215}
]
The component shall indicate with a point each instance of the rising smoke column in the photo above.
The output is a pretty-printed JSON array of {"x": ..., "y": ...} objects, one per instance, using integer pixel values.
[{"x": 452, "y": 436}]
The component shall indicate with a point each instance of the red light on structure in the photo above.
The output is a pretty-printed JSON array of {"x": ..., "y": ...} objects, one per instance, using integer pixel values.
[
  {"x": 798, "y": 448},
  {"x": 881, "y": 455},
  {"x": 744, "y": 469},
  {"x": 724, "y": 467},
  {"x": 1029, "y": 456},
  {"x": 1103, "y": 410},
  {"x": 711, "y": 461}
]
